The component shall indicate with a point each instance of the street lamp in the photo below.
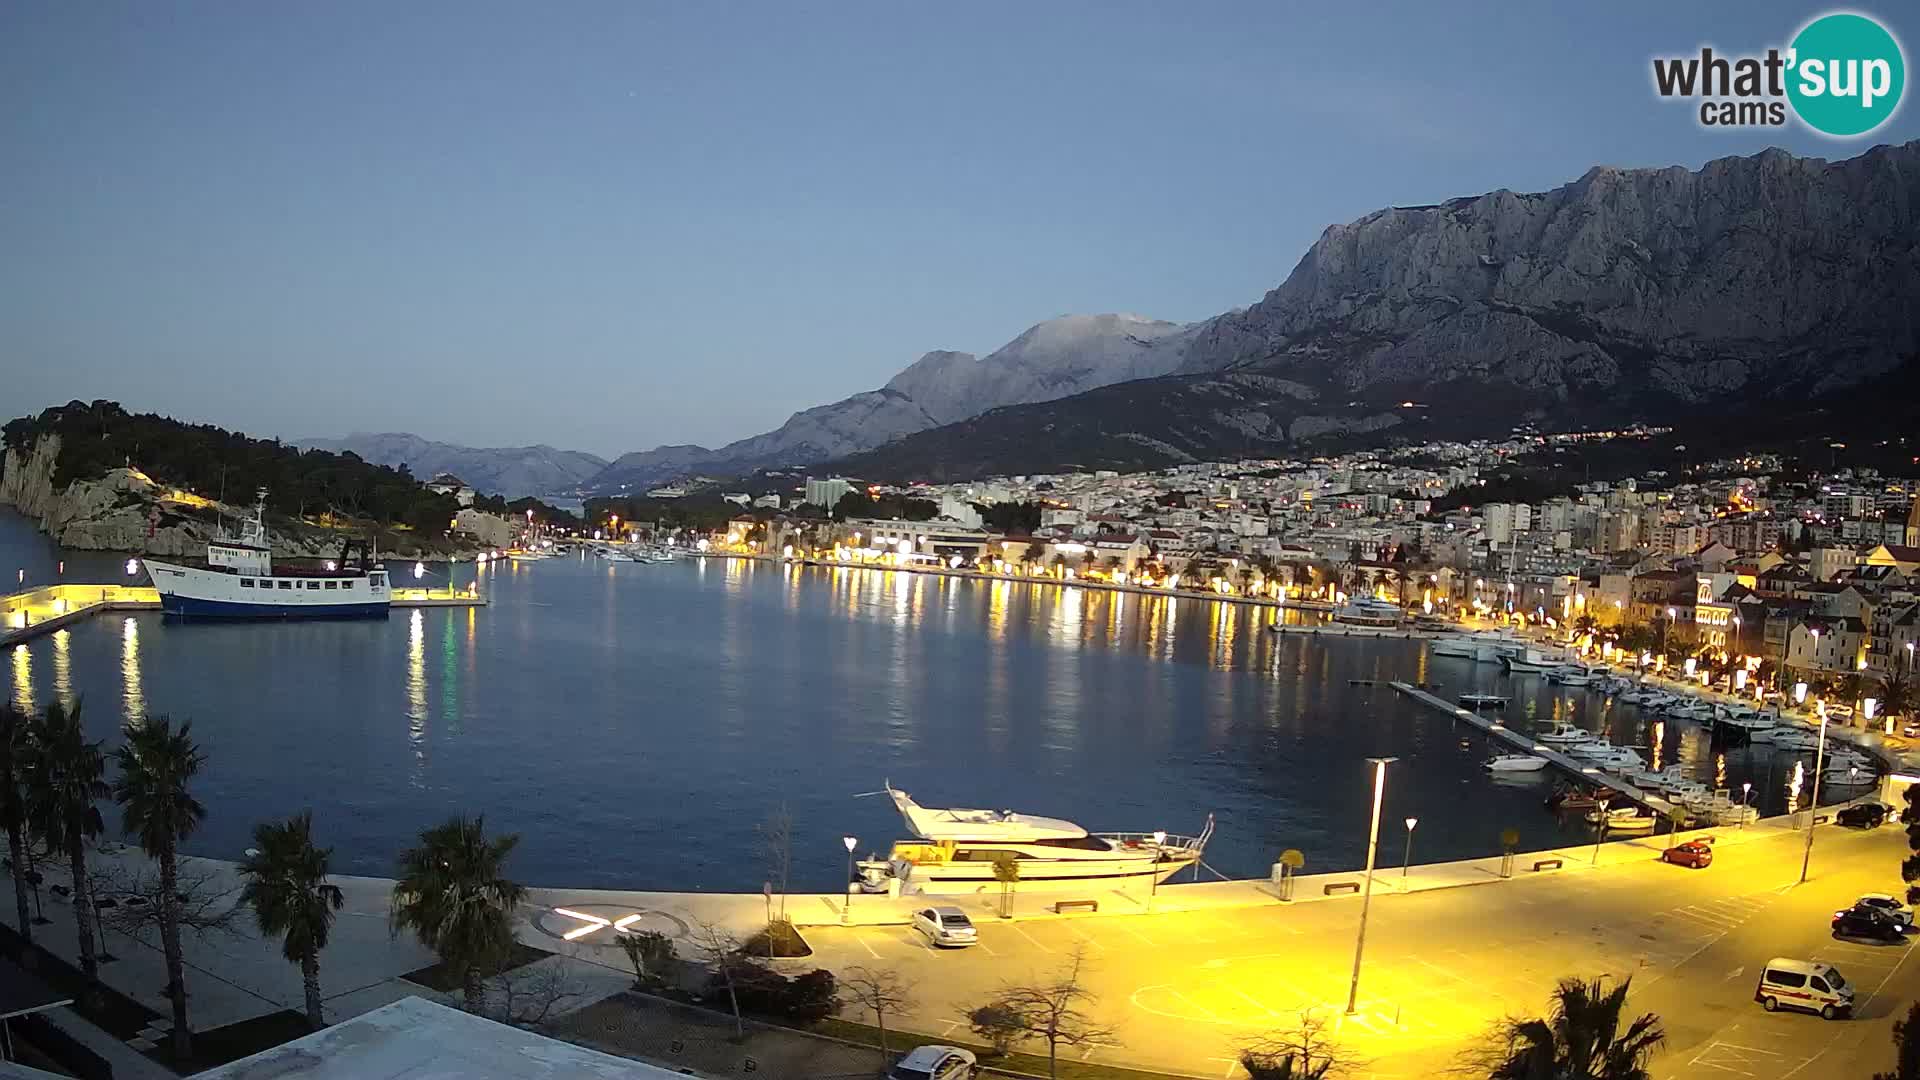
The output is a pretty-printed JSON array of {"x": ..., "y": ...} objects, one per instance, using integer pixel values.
[
  {"x": 846, "y": 909},
  {"x": 1813, "y": 807},
  {"x": 1366, "y": 897},
  {"x": 1408, "y": 857},
  {"x": 1159, "y": 840}
]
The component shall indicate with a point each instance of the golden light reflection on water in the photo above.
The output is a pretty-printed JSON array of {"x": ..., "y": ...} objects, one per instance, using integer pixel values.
[
  {"x": 63, "y": 667},
  {"x": 133, "y": 693},
  {"x": 1719, "y": 770},
  {"x": 1793, "y": 786},
  {"x": 22, "y": 677},
  {"x": 1659, "y": 744},
  {"x": 417, "y": 688}
]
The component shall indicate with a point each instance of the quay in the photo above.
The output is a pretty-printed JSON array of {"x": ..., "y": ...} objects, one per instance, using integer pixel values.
[
  {"x": 1589, "y": 774},
  {"x": 36, "y": 612}
]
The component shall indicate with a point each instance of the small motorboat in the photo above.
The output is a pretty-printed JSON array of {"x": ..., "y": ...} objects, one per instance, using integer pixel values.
[
  {"x": 1483, "y": 701},
  {"x": 1626, "y": 819},
  {"x": 1564, "y": 735},
  {"x": 1515, "y": 763}
]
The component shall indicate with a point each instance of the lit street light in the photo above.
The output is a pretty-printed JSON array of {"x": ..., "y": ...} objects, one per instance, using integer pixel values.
[
  {"x": 1813, "y": 807},
  {"x": 1366, "y": 896},
  {"x": 846, "y": 909},
  {"x": 1746, "y": 791},
  {"x": 1408, "y": 857}
]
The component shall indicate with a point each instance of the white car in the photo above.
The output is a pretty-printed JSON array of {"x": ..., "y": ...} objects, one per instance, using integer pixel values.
[
  {"x": 946, "y": 926},
  {"x": 935, "y": 1063},
  {"x": 1894, "y": 909}
]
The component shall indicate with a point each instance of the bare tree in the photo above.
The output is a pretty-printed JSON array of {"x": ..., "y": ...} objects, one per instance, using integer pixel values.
[
  {"x": 1302, "y": 1052},
  {"x": 1054, "y": 1012},
  {"x": 880, "y": 992},
  {"x": 776, "y": 846},
  {"x": 719, "y": 949},
  {"x": 205, "y": 903},
  {"x": 528, "y": 996}
]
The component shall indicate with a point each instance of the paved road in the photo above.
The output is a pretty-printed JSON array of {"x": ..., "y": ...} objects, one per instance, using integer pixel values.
[{"x": 1183, "y": 990}]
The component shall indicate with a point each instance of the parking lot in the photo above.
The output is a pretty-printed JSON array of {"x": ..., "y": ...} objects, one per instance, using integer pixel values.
[{"x": 1184, "y": 990}]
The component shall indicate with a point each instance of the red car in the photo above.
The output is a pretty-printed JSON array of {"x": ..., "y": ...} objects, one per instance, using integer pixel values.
[{"x": 1697, "y": 854}]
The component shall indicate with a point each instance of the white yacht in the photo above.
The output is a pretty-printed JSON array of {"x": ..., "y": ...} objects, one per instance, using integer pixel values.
[
  {"x": 1565, "y": 735},
  {"x": 956, "y": 850},
  {"x": 239, "y": 582},
  {"x": 1756, "y": 727},
  {"x": 1505, "y": 763},
  {"x": 1525, "y": 659},
  {"x": 1367, "y": 611}
]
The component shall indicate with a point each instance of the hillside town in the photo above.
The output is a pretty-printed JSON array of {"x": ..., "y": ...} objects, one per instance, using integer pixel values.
[{"x": 1802, "y": 576}]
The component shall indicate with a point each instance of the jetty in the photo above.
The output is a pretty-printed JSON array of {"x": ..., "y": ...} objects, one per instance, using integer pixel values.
[
  {"x": 1585, "y": 772},
  {"x": 37, "y": 612}
]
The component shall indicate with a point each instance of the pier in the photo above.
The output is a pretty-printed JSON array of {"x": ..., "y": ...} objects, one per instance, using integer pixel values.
[
  {"x": 1585, "y": 773},
  {"x": 36, "y": 612}
]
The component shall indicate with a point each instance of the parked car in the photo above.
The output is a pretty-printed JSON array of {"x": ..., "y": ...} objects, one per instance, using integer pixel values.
[
  {"x": 1867, "y": 924},
  {"x": 1910, "y": 729},
  {"x": 1697, "y": 854},
  {"x": 1866, "y": 815},
  {"x": 1803, "y": 984},
  {"x": 1887, "y": 905},
  {"x": 947, "y": 926},
  {"x": 935, "y": 1063}
]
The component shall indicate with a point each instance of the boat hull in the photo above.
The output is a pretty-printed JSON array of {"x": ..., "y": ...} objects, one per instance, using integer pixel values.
[
  {"x": 972, "y": 876},
  {"x": 188, "y": 607}
]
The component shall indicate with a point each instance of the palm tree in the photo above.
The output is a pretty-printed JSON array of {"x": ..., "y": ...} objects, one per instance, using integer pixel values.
[
  {"x": 64, "y": 780},
  {"x": 156, "y": 762},
  {"x": 452, "y": 894},
  {"x": 287, "y": 888},
  {"x": 1896, "y": 692},
  {"x": 15, "y": 724},
  {"x": 1582, "y": 1039}
]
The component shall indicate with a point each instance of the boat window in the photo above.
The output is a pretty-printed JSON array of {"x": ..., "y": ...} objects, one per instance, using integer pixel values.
[
  {"x": 285, "y": 584},
  {"x": 246, "y": 583},
  {"x": 332, "y": 585},
  {"x": 1786, "y": 978},
  {"x": 378, "y": 581},
  {"x": 1078, "y": 843},
  {"x": 346, "y": 584},
  {"x": 314, "y": 585}
]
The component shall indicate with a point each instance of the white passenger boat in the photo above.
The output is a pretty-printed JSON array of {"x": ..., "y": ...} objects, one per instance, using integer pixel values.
[
  {"x": 1527, "y": 660},
  {"x": 956, "y": 850},
  {"x": 239, "y": 582},
  {"x": 1510, "y": 763}
]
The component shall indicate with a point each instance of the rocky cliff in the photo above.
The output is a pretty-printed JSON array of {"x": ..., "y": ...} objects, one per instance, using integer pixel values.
[
  {"x": 1750, "y": 288},
  {"x": 125, "y": 510}
]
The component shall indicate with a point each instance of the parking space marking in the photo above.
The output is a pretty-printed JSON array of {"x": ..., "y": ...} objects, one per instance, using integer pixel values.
[{"x": 1036, "y": 944}]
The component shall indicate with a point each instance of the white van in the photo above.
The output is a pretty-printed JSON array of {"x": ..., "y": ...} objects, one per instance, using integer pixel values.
[{"x": 1804, "y": 984}]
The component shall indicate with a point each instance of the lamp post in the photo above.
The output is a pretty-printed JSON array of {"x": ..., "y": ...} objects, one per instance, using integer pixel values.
[
  {"x": 1153, "y": 889},
  {"x": 846, "y": 909},
  {"x": 1366, "y": 897},
  {"x": 1813, "y": 807},
  {"x": 1407, "y": 857}
]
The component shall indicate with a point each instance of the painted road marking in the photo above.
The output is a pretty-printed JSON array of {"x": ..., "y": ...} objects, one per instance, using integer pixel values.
[
  {"x": 1210, "y": 1014},
  {"x": 1036, "y": 944}
]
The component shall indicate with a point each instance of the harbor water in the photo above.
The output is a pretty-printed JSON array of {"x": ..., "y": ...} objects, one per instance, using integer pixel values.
[{"x": 638, "y": 724}]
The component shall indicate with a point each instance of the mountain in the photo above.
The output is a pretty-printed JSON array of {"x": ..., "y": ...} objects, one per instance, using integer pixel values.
[
  {"x": 1750, "y": 287},
  {"x": 509, "y": 471},
  {"x": 1054, "y": 359}
]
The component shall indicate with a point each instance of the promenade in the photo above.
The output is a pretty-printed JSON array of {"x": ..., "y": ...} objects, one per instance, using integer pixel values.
[{"x": 1188, "y": 972}]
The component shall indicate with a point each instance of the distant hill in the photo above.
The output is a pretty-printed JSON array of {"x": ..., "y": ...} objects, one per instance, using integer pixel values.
[
  {"x": 510, "y": 471},
  {"x": 1051, "y": 360}
]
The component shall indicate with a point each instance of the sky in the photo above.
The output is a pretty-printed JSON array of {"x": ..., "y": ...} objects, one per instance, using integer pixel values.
[{"x": 607, "y": 226}]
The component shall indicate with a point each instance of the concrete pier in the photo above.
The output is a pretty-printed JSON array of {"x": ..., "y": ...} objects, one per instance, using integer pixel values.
[
  {"x": 37, "y": 612},
  {"x": 1584, "y": 772}
]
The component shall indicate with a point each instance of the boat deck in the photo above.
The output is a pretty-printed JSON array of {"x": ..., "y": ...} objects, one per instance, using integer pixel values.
[{"x": 1586, "y": 773}]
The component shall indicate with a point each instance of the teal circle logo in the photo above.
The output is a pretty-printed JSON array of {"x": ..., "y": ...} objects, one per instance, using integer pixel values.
[{"x": 1846, "y": 74}]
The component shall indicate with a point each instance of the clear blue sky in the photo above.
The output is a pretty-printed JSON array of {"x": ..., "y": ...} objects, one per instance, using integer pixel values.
[{"x": 612, "y": 225}]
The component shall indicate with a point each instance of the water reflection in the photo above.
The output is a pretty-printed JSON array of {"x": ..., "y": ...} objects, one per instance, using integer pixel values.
[
  {"x": 417, "y": 692},
  {"x": 133, "y": 695},
  {"x": 63, "y": 667},
  {"x": 22, "y": 677}
]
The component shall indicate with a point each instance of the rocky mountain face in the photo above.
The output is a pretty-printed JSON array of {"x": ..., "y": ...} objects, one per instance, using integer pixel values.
[
  {"x": 509, "y": 471},
  {"x": 1054, "y": 359},
  {"x": 1755, "y": 283}
]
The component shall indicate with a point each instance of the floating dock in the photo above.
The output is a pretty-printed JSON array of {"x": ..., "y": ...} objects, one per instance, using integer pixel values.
[{"x": 1584, "y": 772}]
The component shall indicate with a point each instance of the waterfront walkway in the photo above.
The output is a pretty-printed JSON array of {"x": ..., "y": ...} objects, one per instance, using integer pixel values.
[{"x": 37, "y": 612}]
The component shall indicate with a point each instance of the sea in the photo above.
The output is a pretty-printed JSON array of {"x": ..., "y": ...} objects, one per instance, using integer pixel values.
[{"x": 648, "y": 726}]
